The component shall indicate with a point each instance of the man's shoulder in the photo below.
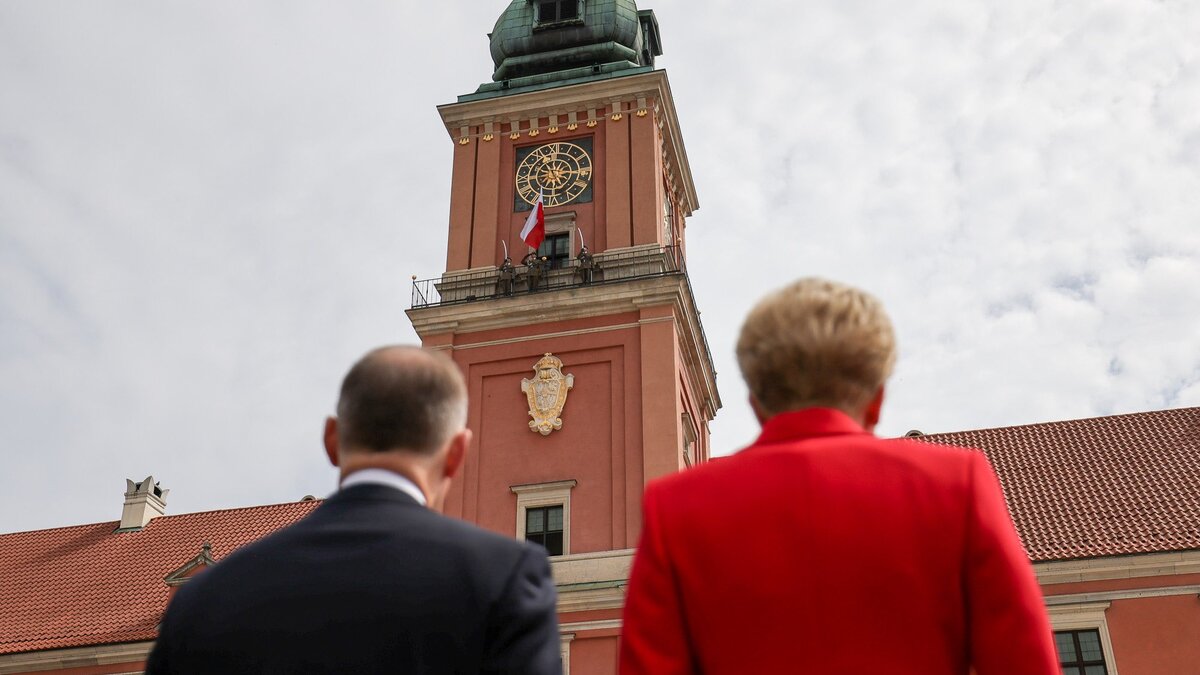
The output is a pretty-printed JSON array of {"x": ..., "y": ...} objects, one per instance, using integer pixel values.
[
  {"x": 338, "y": 538},
  {"x": 394, "y": 521},
  {"x": 455, "y": 529}
]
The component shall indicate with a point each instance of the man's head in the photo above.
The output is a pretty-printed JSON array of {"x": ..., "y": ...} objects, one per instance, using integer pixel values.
[
  {"x": 817, "y": 343},
  {"x": 402, "y": 409}
]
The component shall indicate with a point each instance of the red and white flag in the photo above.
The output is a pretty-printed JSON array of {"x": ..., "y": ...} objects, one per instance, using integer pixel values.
[{"x": 535, "y": 225}]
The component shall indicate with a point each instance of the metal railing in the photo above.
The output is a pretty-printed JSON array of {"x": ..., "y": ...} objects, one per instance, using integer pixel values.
[{"x": 605, "y": 268}]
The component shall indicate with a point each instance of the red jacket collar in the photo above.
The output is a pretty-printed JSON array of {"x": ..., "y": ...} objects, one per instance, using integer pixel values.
[{"x": 807, "y": 423}]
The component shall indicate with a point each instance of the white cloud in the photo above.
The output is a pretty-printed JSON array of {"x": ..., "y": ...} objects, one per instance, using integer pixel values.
[{"x": 208, "y": 210}]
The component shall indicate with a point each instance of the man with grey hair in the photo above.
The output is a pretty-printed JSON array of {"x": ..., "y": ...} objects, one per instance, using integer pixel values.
[
  {"x": 375, "y": 581},
  {"x": 821, "y": 548}
]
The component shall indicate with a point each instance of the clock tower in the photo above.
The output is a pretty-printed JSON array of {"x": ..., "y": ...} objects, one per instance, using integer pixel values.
[{"x": 587, "y": 365}]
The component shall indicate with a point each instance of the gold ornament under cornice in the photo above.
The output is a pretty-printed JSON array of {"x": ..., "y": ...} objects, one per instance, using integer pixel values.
[
  {"x": 641, "y": 113},
  {"x": 617, "y": 117},
  {"x": 591, "y": 102},
  {"x": 552, "y": 130},
  {"x": 547, "y": 394},
  {"x": 533, "y": 132},
  {"x": 516, "y": 135},
  {"x": 464, "y": 141},
  {"x": 591, "y": 124},
  {"x": 488, "y": 138},
  {"x": 572, "y": 126}
]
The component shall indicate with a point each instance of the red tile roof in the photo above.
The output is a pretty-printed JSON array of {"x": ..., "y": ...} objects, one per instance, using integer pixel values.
[
  {"x": 1104, "y": 486},
  {"x": 88, "y": 585}
]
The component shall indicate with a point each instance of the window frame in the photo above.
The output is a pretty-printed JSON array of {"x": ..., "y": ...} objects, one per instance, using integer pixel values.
[
  {"x": 538, "y": 495},
  {"x": 538, "y": 22},
  {"x": 546, "y": 531},
  {"x": 689, "y": 440},
  {"x": 564, "y": 651},
  {"x": 1085, "y": 616},
  {"x": 557, "y": 261},
  {"x": 1080, "y": 663}
]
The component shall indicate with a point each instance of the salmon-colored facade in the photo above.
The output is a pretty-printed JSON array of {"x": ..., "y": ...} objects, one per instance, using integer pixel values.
[
  {"x": 1147, "y": 624},
  {"x": 629, "y": 190},
  {"x": 1107, "y": 508},
  {"x": 630, "y": 338}
]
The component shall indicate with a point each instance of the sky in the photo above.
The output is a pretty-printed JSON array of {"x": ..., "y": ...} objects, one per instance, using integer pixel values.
[{"x": 209, "y": 210}]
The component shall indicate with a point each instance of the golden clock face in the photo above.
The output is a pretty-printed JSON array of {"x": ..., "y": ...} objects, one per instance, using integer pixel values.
[{"x": 560, "y": 172}]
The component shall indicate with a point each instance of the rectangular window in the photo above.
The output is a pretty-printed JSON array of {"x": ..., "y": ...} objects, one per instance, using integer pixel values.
[
  {"x": 1080, "y": 652},
  {"x": 544, "y": 514},
  {"x": 556, "y": 249},
  {"x": 559, "y": 10},
  {"x": 544, "y": 525}
]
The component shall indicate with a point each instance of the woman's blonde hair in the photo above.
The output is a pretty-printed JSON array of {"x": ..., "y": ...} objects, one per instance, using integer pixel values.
[{"x": 816, "y": 343}]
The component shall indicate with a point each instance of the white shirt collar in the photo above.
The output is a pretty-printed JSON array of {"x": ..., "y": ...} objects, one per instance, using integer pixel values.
[{"x": 385, "y": 477}]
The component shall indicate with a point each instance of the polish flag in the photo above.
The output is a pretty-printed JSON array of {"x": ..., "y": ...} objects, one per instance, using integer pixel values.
[{"x": 535, "y": 226}]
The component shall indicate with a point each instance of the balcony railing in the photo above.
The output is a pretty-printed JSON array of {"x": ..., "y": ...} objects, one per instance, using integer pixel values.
[{"x": 605, "y": 268}]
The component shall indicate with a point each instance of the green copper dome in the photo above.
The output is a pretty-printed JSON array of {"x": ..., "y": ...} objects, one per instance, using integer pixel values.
[{"x": 540, "y": 41}]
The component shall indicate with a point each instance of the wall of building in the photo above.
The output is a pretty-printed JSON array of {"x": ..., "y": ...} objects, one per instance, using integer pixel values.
[
  {"x": 1155, "y": 636},
  {"x": 628, "y": 188},
  {"x": 594, "y": 654},
  {"x": 1146, "y": 608},
  {"x": 602, "y": 442}
]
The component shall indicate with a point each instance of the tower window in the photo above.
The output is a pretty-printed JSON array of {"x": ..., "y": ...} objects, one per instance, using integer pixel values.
[
  {"x": 558, "y": 11},
  {"x": 544, "y": 525},
  {"x": 544, "y": 515},
  {"x": 1080, "y": 652},
  {"x": 556, "y": 249}
]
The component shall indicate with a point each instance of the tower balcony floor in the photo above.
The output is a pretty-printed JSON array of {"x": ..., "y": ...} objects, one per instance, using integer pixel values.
[
  {"x": 464, "y": 309},
  {"x": 489, "y": 283}
]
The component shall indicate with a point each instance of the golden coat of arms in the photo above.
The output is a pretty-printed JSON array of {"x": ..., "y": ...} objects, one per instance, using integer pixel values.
[{"x": 547, "y": 394}]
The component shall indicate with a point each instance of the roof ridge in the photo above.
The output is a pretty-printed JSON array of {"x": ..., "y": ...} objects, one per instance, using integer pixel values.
[
  {"x": 316, "y": 500},
  {"x": 1142, "y": 413},
  {"x": 116, "y": 523}
]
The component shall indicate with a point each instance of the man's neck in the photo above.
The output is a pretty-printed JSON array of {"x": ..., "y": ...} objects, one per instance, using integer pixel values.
[
  {"x": 375, "y": 476},
  {"x": 411, "y": 469}
]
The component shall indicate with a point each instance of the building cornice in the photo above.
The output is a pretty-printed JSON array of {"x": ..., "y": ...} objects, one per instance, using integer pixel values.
[
  {"x": 74, "y": 657},
  {"x": 1106, "y": 597},
  {"x": 1118, "y": 567},
  {"x": 583, "y": 302},
  {"x": 592, "y": 581}
]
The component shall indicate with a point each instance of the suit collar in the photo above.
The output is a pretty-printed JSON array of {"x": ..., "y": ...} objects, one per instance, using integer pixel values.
[
  {"x": 807, "y": 423},
  {"x": 371, "y": 492},
  {"x": 373, "y": 476}
]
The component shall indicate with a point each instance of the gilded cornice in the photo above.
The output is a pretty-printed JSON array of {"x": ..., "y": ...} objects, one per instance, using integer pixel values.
[{"x": 610, "y": 101}]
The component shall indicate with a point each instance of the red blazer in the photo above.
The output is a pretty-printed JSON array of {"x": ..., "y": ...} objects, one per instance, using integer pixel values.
[{"x": 822, "y": 549}]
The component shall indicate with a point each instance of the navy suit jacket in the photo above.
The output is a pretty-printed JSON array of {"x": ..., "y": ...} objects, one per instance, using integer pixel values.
[{"x": 371, "y": 582}]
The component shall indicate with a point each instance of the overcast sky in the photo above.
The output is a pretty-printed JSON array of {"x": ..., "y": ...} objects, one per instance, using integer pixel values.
[{"x": 208, "y": 210}]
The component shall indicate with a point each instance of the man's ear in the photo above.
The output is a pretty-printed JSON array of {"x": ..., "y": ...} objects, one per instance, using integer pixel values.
[
  {"x": 871, "y": 414},
  {"x": 331, "y": 440},
  {"x": 457, "y": 452}
]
